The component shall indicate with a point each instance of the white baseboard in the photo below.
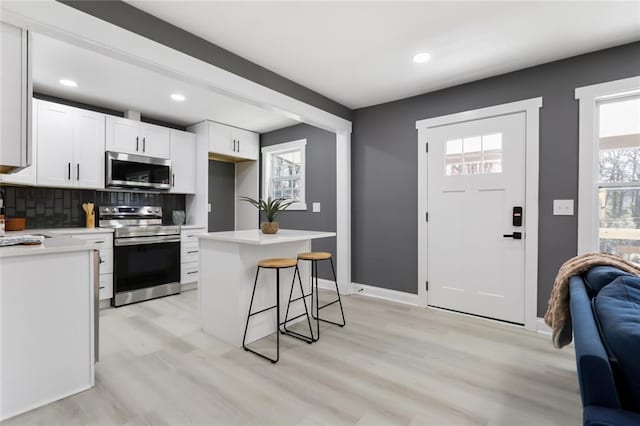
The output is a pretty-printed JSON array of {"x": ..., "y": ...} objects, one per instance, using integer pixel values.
[
  {"x": 386, "y": 294},
  {"x": 542, "y": 328}
]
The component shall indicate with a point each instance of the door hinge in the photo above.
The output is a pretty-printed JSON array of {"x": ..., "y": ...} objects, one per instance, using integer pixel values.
[
  {"x": 426, "y": 285},
  {"x": 427, "y": 146},
  {"x": 426, "y": 216}
]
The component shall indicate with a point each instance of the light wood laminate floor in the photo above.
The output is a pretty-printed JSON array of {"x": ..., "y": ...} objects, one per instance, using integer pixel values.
[{"x": 391, "y": 364}]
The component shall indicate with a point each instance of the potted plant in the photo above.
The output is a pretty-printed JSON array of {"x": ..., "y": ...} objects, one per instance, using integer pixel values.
[{"x": 271, "y": 209}]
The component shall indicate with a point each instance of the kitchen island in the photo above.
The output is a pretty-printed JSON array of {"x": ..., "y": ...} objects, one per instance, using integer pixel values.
[
  {"x": 48, "y": 294},
  {"x": 228, "y": 262}
]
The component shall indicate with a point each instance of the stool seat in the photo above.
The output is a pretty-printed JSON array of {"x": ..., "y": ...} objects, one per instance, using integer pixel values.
[
  {"x": 283, "y": 262},
  {"x": 315, "y": 255}
]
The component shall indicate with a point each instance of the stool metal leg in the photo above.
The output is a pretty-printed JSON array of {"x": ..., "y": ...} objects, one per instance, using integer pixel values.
[
  {"x": 338, "y": 300},
  {"x": 308, "y": 339},
  {"x": 250, "y": 314}
]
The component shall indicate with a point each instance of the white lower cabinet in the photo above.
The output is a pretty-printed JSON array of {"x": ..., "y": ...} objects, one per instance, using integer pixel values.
[
  {"x": 190, "y": 256},
  {"x": 104, "y": 243}
]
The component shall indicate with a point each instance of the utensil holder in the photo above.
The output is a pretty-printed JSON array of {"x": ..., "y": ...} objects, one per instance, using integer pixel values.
[{"x": 91, "y": 220}]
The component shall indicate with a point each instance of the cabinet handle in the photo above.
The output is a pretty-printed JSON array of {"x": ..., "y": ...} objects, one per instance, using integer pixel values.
[
  {"x": 238, "y": 145},
  {"x": 144, "y": 144},
  {"x": 101, "y": 287},
  {"x": 174, "y": 180},
  {"x": 78, "y": 171},
  {"x": 137, "y": 142},
  {"x": 234, "y": 145},
  {"x": 69, "y": 171},
  {"x": 192, "y": 272},
  {"x": 191, "y": 252},
  {"x": 99, "y": 242}
]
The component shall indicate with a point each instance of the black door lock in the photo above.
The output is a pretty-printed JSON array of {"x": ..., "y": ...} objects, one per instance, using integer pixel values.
[{"x": 515, "y": 235}]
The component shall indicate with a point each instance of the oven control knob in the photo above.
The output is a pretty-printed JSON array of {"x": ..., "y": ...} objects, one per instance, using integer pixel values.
[
  {"x": 149, "y": 210},
  {"x": 157, "y": 210}
]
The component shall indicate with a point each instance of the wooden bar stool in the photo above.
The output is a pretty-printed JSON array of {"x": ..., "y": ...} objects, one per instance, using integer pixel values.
[
  {"x": 314, "y": 257},
  {"x": 277, "y": 264}
]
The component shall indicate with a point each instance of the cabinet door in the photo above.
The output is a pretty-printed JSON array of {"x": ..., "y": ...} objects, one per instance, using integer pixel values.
[
  {"x": 27, "y": 176},
  {"x": 220, "y": 140},
  {"x": 183, "y": 162},
  {"x": 156, "y": 141},
  {"x": 88, "y": 167},
  {"x": 123, "y": 135},
  {"x": 55, "y": 129},
  {"x": 247, "y": 144},
  {"x": 15, "y": 105}
]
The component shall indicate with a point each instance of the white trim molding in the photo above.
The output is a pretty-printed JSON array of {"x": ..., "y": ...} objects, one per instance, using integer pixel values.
[
  {"x": 267, "y": 152},
  {"x": 531, "y": 108},
  {"x": 372, "y": 291},
  {"x": 588, "y": 202}
]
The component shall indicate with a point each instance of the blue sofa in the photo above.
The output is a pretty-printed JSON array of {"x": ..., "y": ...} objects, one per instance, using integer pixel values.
[{"x": 605, "y": 314}]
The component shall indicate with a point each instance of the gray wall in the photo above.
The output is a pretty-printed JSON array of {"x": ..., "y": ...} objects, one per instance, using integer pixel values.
[
  {"x": 135, "y": 20},
  {"x": 222, "y": 177},
  {"x": 320, "y": 185},
  {"x": 384, "y": 164}
]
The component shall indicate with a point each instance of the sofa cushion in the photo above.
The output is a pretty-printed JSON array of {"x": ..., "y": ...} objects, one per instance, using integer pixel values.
[
  {"x": 599, "y": 276},
  {"x": 617, "y": 308}
]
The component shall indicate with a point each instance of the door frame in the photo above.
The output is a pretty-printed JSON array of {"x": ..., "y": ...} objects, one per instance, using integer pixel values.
[{"x": 531, "y": 108}]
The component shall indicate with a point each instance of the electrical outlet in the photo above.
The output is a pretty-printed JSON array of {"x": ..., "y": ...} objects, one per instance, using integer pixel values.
[
  {"x": 316, "y": 207},
  {"x": 209, "y": 207},
  {"x": 563, "y": 207}
]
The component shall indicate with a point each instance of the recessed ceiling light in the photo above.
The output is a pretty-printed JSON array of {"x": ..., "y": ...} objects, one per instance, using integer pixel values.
[
  {"x": 68, "y": 83},
  {"x": 421, "y": 58},
  {"x": 178, "y": 97}
]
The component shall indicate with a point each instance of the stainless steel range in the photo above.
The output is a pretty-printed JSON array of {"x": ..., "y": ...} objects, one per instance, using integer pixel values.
[{"x": 146, "y": 254}]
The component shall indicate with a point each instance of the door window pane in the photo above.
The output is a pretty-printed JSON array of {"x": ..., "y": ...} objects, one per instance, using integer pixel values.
[
  {"x": 474, "y": 155},
  {"x": 453, "y": 157},
  {"x": 492, "y": 153}
]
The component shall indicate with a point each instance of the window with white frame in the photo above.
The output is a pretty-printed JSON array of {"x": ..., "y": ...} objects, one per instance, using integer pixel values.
[
  {"x": 283, "y": 172},
  {"x": 609, "y": 178},
  {"x": 619, "y": 176}
]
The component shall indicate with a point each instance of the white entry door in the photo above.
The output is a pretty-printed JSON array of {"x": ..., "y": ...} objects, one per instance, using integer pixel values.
[{"x": 476, "y": 176}]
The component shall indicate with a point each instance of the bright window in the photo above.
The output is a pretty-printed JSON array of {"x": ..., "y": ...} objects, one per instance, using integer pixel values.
[
  {"x": 619, "y": 176},
  {"x": 283, "y": 172},
  {"x": 474, "y": 155}
]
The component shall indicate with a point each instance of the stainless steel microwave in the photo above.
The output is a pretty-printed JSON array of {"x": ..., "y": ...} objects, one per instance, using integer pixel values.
[{"x": 137, "y": 171}]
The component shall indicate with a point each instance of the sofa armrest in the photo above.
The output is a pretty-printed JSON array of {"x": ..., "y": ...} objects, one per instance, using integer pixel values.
[{"x": 597, "y": 386}]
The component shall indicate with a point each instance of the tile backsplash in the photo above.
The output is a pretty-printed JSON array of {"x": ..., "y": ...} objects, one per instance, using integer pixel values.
[{"x": 62, "y": 208}]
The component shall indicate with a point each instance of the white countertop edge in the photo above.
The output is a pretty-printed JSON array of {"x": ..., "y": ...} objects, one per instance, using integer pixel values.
[
  {"x": 55, "y": 244},
  {"x": 73, "y": 231},
  {"x": 191, "y": 226},
  {"x": 256, "y": 237}
]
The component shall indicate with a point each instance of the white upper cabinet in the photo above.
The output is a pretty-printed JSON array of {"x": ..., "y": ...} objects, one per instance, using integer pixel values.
[
  {"x": 247, "y": 143},
  {"x": 123, "y": 135},
  {"x": 26, "y": 176},
  {"x": 55, "y": 144},
  {"x": 15, "y": 104},
  {"x": 156, "y": 141},
  {"x": 70, "y": 145},
  {"x": 183, "y": 162},
  {"x": 233, "y": 142},
  {"x": 89, "y": 149},
  {"x": 135, "y": 137}
]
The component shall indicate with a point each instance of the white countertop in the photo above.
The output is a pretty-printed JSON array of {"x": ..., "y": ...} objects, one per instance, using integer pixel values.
[
  {"x": 53, "y": 244},
  {"x": 256, "y": 237}
]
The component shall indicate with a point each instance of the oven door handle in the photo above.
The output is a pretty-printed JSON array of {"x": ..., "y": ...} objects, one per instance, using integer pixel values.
[{"x": 146, "y": 240}]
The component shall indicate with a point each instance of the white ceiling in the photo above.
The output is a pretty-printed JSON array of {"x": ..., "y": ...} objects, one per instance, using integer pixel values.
[
  {"x": 114, "y": 84},
  {"x": 360, "y": 53}
]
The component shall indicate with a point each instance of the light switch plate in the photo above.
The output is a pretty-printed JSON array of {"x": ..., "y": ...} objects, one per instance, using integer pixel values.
[
  {"x": 209, "y": 207},
  {"x": 563, "y": 207},
  {"x": 316, "y": 207}
]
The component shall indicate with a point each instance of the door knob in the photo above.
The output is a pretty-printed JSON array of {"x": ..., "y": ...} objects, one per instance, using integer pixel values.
[{"x": 515, "y": 235}]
